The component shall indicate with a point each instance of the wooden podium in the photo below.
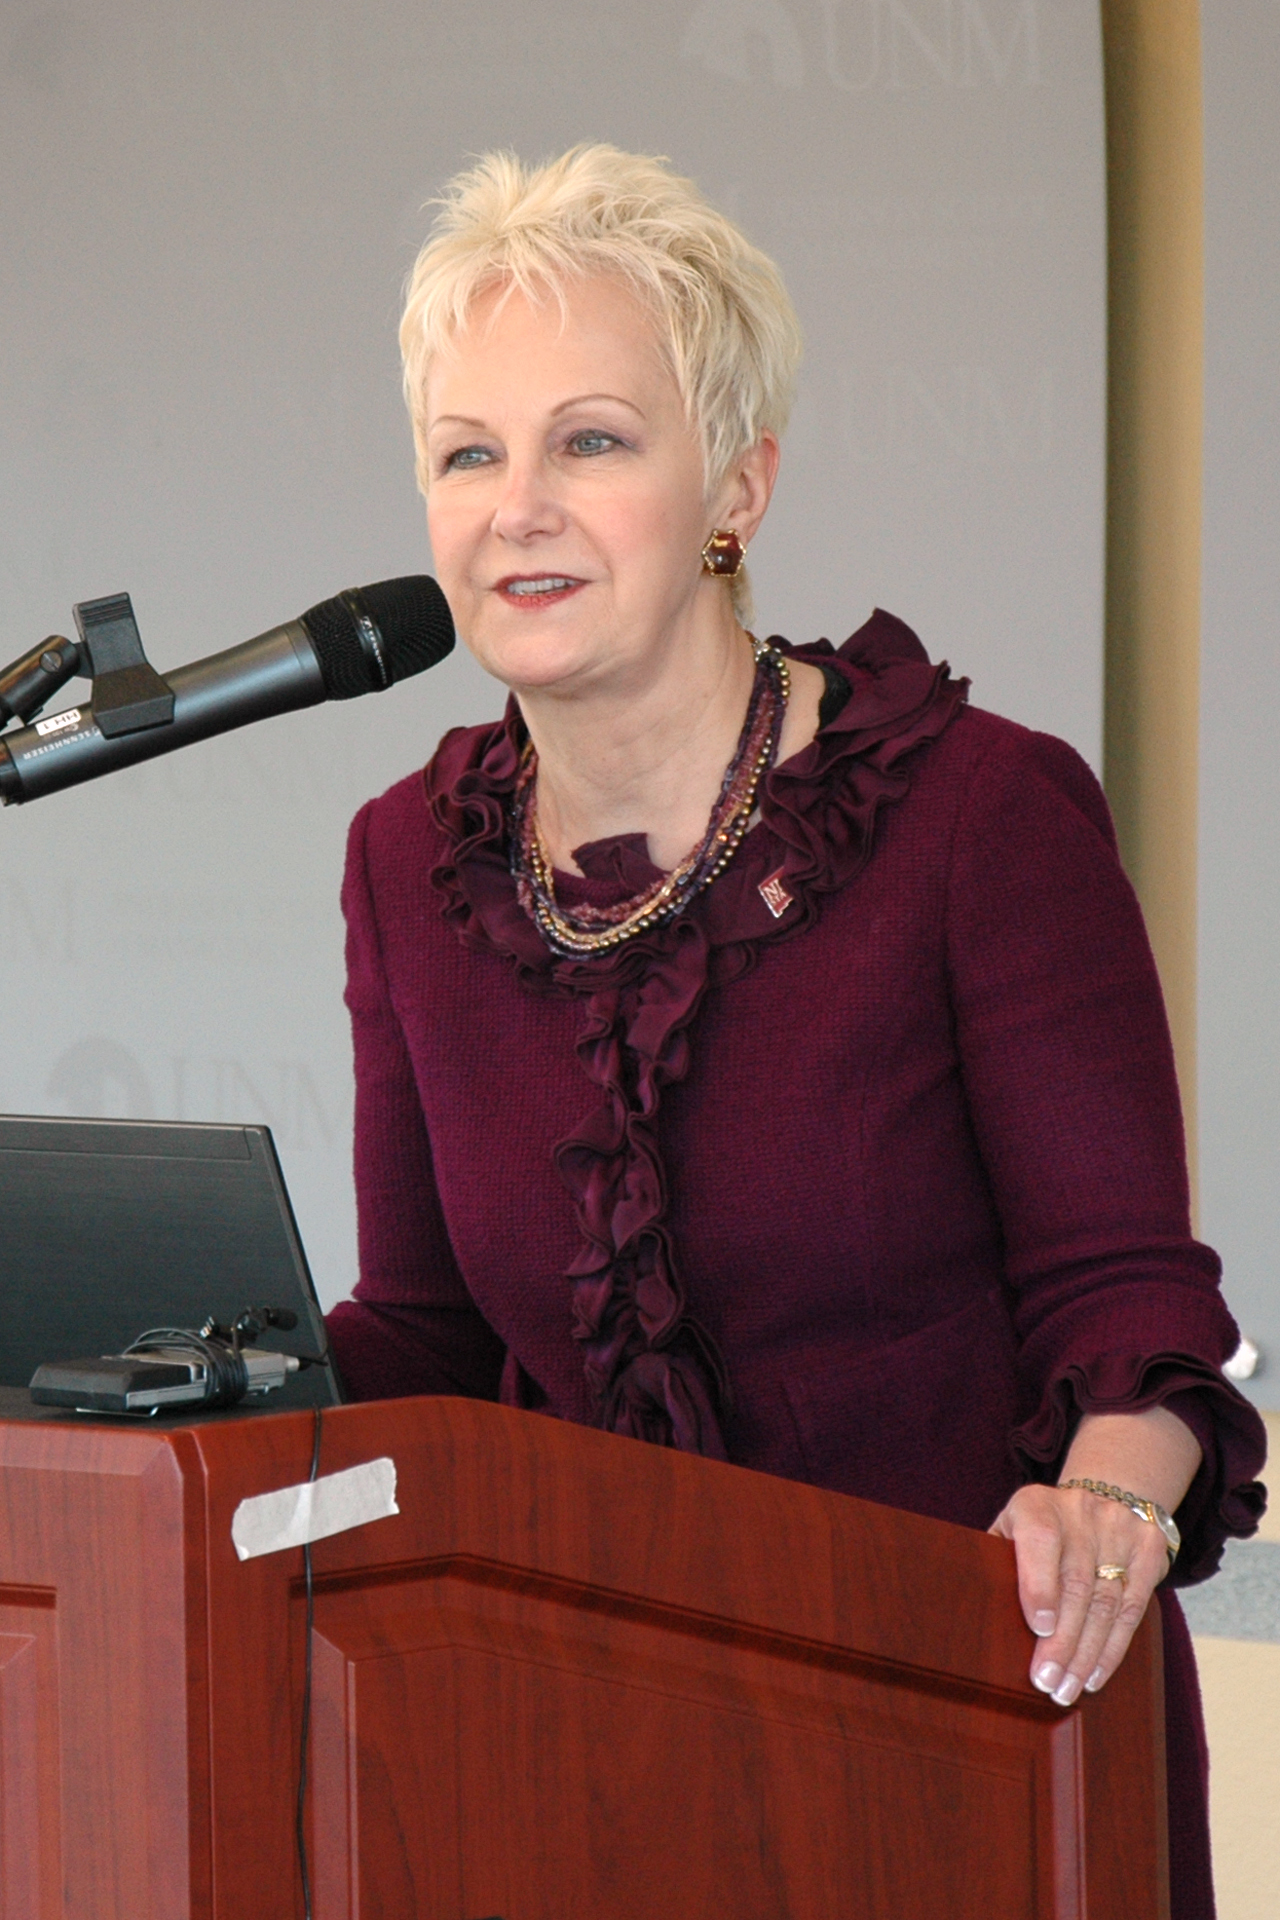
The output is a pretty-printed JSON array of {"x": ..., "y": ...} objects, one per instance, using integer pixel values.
[{"x": 575, "y": 1678}]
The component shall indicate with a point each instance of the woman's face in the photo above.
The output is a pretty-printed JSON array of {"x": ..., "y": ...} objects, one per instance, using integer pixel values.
[{"x": 566, "y": 499}]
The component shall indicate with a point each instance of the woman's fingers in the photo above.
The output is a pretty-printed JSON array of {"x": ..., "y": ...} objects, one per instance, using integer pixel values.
[
  {"x": 1034, "y": 1524},
  {"x": 1083, "y": 1620},
  {"x": 1085, "y": 1614},
  {"x": 1065, "y": 1663},
  {"x": 1147, "y": 1567}
]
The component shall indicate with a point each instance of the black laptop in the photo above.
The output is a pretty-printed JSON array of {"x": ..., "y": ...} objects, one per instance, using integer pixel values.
[{"x": 111, "y": 1227}]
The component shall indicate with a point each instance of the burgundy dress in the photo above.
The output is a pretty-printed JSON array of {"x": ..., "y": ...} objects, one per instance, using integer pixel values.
[{"x": 867, "y": 1170}]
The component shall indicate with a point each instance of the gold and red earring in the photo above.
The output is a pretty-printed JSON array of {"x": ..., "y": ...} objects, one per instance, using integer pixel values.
[{"x": 723, "y": 554}]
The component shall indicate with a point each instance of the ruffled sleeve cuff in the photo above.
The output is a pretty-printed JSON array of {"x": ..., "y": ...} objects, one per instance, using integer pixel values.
[{"x": 1224, "y": 1500}]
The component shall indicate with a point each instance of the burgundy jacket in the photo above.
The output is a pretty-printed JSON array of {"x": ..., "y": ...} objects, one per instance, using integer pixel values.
[{"x": 879, "y": 1193}]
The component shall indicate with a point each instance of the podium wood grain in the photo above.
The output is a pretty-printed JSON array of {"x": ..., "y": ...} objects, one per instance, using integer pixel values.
[{"x": 576, "y": 1678}]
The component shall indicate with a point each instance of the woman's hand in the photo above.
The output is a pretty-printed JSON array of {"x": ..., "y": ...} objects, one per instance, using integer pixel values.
[
  {"x": 1084, "y": 1620},
  {"x": 1084, "y": 1623}
]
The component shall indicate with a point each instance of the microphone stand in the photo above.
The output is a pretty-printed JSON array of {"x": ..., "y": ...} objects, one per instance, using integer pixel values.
[{"x": 30, "y": 682}]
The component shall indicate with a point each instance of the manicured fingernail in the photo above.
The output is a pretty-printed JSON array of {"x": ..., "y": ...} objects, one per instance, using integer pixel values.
[
  {"x": 1043, "y": 1624},
  {"x": 1047, "y": 1677},
  {"x": 1095, "y": 1680},
  {"x": 1066, "y": 1693}
]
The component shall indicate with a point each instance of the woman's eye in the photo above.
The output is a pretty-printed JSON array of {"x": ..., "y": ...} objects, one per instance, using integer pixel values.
[
  {"x": 464, "y": 457},
  {"x": 591, "y": 440}
]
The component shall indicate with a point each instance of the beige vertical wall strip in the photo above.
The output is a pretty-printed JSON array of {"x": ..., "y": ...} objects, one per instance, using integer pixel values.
[{"x": 1155, "y": 209}]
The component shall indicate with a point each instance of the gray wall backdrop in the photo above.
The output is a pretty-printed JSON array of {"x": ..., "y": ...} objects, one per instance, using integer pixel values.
[
  {"x": 208, "y": 210},
  {"x": 1240, "y": 764}
]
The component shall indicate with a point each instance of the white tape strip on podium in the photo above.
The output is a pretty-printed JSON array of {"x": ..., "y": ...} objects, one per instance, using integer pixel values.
[{"x": 293, "y": 1516}]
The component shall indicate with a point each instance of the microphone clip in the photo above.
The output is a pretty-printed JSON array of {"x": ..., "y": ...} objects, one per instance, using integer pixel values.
[{"x": 128, "y": 694}]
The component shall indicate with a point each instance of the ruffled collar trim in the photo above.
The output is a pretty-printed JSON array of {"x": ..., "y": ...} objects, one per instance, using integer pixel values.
[{"x": 817, "y": 814}]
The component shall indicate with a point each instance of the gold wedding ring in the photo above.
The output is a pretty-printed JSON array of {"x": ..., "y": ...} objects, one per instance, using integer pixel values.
[{"x": 1112, "y": 1573}]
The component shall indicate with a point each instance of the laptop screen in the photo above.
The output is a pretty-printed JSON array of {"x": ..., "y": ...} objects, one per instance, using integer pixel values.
[{"x": 111, "y": 1227}]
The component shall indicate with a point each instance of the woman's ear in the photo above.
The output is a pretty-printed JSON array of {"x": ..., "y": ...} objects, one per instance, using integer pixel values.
[{"x": 743, "y": 495}]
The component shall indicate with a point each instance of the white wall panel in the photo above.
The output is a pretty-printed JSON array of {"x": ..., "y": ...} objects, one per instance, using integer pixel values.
[
  {"x": 1239, "y": 982},
  {"x": 208, "y": 210}
]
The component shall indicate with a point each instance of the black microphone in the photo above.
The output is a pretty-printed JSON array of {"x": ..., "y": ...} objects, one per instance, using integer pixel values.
[{"x": 361, "y": 641}]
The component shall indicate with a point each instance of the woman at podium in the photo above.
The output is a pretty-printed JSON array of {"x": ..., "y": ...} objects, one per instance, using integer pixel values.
[{"x": 758, "y": 1048}]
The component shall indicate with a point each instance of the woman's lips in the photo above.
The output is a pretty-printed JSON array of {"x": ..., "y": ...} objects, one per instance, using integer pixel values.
[{"x": 530, "y": 591}]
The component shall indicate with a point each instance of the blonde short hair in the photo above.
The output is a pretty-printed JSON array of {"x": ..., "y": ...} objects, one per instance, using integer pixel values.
[{"x": 723, "y": 314}]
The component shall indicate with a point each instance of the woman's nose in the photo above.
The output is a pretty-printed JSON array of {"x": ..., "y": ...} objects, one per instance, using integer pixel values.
[{"x": 527, "y": 505}]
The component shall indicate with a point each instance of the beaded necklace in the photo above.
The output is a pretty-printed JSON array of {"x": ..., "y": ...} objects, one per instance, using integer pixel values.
[{"x": 574, "y": 931}]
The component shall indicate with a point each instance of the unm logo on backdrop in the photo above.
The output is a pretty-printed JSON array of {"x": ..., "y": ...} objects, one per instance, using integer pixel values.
[
  {"x": 99, "y": 1078},
  {"x": 897, "y": 45}
]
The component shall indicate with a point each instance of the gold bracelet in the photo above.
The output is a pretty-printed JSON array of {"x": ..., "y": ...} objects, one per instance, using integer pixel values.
[{"x": 1149, "y": 1510}]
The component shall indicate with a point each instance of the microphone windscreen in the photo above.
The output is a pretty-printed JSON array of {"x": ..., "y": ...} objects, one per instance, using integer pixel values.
[{"x": 412, "y": 630}]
